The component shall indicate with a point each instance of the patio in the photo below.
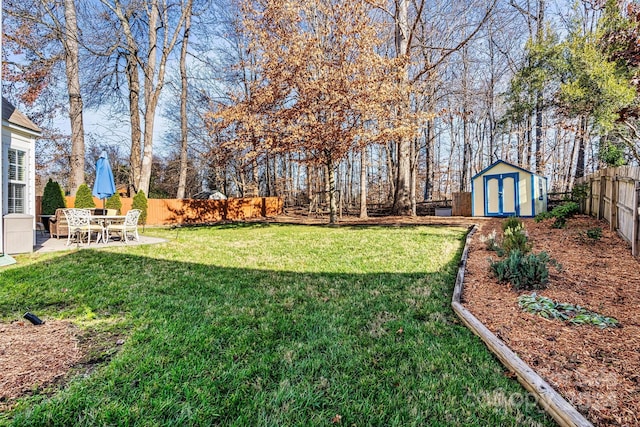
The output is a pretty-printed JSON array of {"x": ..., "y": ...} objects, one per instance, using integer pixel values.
[{"x": 46, "y": 243}]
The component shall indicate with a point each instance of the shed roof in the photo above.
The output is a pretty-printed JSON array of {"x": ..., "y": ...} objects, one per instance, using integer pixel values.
[
  {"x": 503, "y": 162},
  {"x": 15, "y": 117}
]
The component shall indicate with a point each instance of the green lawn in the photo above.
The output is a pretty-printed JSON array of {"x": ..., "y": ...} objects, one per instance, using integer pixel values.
[{"x": 268, "y": 325}]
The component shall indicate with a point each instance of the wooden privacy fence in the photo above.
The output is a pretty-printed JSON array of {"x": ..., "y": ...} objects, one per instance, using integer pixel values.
[
  {"x": 614, "y": 195},
  {"x": 195, "y": 211}
]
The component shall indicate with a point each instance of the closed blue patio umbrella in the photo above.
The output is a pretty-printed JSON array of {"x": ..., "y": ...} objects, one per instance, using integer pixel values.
[{"x": 104, "y": 186}]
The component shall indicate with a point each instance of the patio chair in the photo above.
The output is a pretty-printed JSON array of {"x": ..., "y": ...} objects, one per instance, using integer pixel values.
[
  {"x": 130, "y": 225},
  {"x": 79, "y": 223},
  {"x": 58, "y": 224}
]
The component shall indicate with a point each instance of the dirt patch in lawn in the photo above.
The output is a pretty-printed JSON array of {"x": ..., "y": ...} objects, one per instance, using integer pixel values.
[
  {"x": 598, "y": 370},
  {"x": 41, "y": 359},
  {"x": 34, "y": 357}
]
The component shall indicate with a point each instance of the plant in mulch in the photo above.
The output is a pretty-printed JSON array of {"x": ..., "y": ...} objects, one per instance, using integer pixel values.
[
  {"x": 591, "y": 235},
  {"x": 512, "y": 222},
  {"x": 523, "y": 271},
  {"x": 574, "y": 314},
  {"x": 490, "y": 241},
  {"x": 516, "y": 238},
  {"x": 560, "y": 214},
  {"x": 580, "y": 192}
]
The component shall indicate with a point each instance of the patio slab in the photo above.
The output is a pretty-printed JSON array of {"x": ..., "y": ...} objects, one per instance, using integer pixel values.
[{"x": 46, "y": 243}]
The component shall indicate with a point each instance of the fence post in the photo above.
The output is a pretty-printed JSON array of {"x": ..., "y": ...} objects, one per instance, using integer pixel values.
[
  {"x": 636, "y": 208},
  {"x": 603, "y": 189},
  {"x": 615, "y": 186}
]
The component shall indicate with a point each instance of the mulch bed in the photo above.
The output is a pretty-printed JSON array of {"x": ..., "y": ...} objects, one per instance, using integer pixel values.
[
  {"x": 34, "y": 357},
  {"x": 597, "y": 370}
]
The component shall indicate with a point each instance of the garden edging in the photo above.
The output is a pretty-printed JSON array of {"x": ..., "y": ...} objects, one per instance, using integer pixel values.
[{"x": 549, "y": 399}]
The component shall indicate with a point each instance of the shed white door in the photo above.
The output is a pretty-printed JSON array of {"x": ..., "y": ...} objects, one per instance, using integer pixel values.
[{"x": 501, "y": 194}]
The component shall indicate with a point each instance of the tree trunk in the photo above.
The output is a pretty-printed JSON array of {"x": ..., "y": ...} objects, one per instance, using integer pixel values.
[
  {"x": 414, "y": 156},
  {"x": 331, "y": 189},
  {"x": 363, "y": 183},
  {"x": 402, "y": 195},
  {"x": 134, "y": 115},
  {"x": 182, "y": 181},
  {"x": 539, "y": 99},
  {"x": 582, "y": 134},
  {"x": 428, "y": 184},
  {"x": 75, "y": 98}
]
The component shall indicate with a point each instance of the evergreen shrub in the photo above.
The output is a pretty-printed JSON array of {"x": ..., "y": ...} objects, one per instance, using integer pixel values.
[
  {"x": 140, "y": 202},
  {"x": 114, "y": 202},
  {"x": 52, "y": 198},
  {"x": 84, "y": 199}
]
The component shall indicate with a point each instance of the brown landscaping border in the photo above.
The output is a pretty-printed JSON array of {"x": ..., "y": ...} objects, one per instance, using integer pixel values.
[{"x": 549, "y": 399}]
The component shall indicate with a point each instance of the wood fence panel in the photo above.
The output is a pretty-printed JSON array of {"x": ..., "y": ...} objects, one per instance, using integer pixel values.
[
  {"x": 615, "y": 197},
  {"x": 200, "y": 211},
  {"x": 461, "y": 205},
  {"x": 626, "y": 195}
]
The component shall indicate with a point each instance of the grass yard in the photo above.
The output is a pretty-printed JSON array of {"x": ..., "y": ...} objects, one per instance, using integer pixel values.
[{"x": 268, "y": 325}]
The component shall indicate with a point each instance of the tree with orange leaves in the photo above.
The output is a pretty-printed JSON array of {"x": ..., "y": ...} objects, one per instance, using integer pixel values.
[{"x": 322, "y": 86}]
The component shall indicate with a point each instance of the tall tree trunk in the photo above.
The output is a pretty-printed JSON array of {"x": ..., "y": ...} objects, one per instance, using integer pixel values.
[
  {"x": 392, "y": 172},
  {"x": 466, "y": 140},
  {"x": 582, "y": 135},
  {"x": 75, "y": 98},
  {"x": 151, "y": 95},
  {"x": 539, "y": 99},
  {"x": 363, "y": 183},
  {"x": 331, "y": 190},
  {"x": 428, "y": 184},
  {"x": 402, "y": 195},
  {"x": 134, "y": 115},
  {"x": 182, "y": 180},
  {"x": 414, "y": 156}
]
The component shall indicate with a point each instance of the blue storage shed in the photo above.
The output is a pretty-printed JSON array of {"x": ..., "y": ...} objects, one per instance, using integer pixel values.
[{"x": 503, "y": 189}]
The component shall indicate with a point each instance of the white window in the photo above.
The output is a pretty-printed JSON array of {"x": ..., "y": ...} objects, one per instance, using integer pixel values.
[{"x": 17, "y": 190}]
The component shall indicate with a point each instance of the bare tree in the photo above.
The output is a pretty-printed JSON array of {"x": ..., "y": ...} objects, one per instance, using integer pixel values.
[{"x": 47, "y": 31}]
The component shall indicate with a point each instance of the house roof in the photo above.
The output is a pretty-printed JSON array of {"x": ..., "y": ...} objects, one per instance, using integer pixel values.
[
  {"x": 15, "y": 117},
  {"x": 503, "y": 162}
]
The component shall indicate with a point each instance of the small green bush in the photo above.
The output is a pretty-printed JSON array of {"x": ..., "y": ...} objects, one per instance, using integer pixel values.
[
  {"x": 566, "y": 210},
  {"x": 84, "y": 199},
  {"x": 594, "y": 233},
  {"x": 591, "y": 235},
  {"x": 114, "y": 202},
  {"x": 511, "y": 222},
  {"x": 516, "y": 239},
  {"x": 543, "y": 216},
  {"x": 52, "y": 198},
  {"x": 523, "y": 272},
  {"x": 140, "y": 202},
  {"x": 490, "y": 241},
  {"x": 560, "y": 214},
  {"x": 580, "y": 192}
]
